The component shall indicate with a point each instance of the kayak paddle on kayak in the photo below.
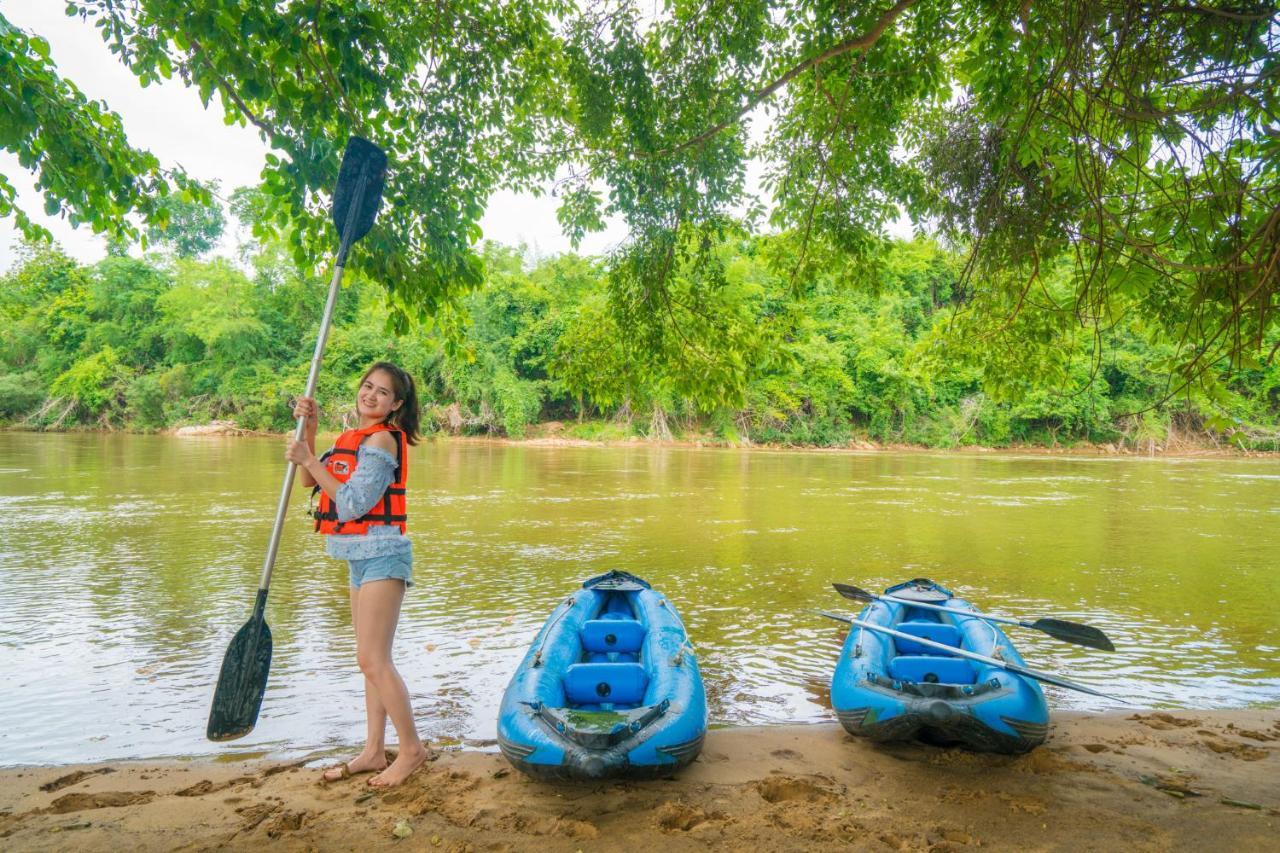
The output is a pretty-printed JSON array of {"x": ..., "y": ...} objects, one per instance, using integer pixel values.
[
  {"x": 945, "y": 678},
  {"x": 1059, "y": 629}
]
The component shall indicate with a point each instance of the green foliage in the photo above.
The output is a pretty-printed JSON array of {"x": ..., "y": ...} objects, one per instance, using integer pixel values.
[
  {"x": 195, "y": 224},
  {"x": 95, "y": 381},
  {"x": 462, "y": 95},
  {"x": 20, "y": 393},
  {"x": 599, "y": 431},
  {"x": 146, "y": 398},
  {"x": 517, "y": 402},
  {"x": 210, "y": 310},
  {"x": 886, "y": 349},
  {"x": 85, "y": 167},
  {"x": 1102, "y": 164},
  {"x": 1133, "y": 144}
]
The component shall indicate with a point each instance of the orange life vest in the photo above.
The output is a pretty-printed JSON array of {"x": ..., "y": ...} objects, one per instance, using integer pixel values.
[{"x": 341, "y": 463}]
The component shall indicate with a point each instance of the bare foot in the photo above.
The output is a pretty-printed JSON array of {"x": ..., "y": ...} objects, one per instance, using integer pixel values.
[
  {"x": 409, "y": 760},
  {"x": 368, "y": 761}
]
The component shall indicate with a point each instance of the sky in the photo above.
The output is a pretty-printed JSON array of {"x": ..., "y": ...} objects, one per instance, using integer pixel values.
[{"x": 169, "y": 120}]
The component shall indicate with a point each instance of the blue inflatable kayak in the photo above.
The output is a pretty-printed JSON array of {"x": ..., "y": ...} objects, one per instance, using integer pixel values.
[
  {"x": 887, "y": 688},
  {"x": 609, "y": 688}
]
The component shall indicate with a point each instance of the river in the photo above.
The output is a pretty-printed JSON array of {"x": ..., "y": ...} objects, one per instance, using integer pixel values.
[{"x": 128, "y": 561}]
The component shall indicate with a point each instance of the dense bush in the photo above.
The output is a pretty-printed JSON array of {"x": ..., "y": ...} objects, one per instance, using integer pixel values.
[
  {"x": 880, "y": 348},
  {"x": 20, "y": 393}
]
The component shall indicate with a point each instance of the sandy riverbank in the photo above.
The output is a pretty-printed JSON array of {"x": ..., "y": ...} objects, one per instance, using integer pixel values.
[{"x": 1146, "y": 781}]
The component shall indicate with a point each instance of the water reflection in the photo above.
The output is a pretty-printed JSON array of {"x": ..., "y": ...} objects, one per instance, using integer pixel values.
[{"x": 129, "y": 562}]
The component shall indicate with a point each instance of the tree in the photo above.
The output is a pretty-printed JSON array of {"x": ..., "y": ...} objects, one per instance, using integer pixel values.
[
  {"x": 194, "y": 225},
  {"x": 458, "y": 93},
  {"x": 84, "y": 165},
  {"x": 1136, "y": 141}
]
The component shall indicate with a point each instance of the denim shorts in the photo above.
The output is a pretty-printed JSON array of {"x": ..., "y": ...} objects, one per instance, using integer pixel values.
[{"x": 399, "y": 566}]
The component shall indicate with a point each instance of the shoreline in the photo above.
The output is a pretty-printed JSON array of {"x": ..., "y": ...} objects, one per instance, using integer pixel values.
[
  {"x": 1082, "y": 451},
  {"x": 552, "y": 438},
  {"x": 1146, "y": 780}
]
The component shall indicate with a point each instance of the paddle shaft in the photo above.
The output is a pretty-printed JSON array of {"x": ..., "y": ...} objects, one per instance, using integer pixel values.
[
  {"x": 242, "y": 680},
  {"x": 952, "y": 650},
  {"x": 273, "y": 545},
  {"x": 939, "y": 608},
  {"x": 1059, "y": 629}
]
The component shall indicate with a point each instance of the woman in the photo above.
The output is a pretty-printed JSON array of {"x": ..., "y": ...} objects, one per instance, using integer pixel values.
[{"x": 362, "y": 514}]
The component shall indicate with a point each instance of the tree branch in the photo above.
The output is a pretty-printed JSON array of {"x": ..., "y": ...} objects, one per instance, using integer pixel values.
[
  {"x": 862, "y": 42},
  {"x": 231, "y": 93}
]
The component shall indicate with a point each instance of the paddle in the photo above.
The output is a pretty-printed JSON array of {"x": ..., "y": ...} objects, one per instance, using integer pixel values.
[
  {"x": 243, "y": 679},
  {"x": 952, "y": 650},
  {"x": 1059, "y": 629}
]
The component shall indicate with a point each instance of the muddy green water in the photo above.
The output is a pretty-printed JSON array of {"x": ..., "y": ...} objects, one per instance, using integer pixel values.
[{"x": 127, "y": 562}]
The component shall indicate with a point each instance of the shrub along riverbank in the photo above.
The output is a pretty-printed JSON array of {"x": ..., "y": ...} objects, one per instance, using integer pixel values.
[{"x": 880, "y": 349}]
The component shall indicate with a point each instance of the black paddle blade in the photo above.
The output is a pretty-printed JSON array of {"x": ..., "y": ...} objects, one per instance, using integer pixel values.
[
  {"x": 355, "y": 199},
  {"x": 1073, "y": 632},
  {"x": 242, "y": 682},
  {"x": 853, "y": 592}
]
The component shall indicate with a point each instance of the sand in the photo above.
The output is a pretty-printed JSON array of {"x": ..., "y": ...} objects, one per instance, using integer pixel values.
[{"x": 1144, "y": 781}]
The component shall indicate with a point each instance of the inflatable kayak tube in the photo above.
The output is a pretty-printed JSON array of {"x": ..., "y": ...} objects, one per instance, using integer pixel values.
[
  {"x": 610, "y": 688},
  {"x": 890, "y": 689}
]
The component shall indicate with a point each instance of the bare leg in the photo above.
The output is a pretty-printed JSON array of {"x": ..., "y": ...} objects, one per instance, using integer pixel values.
[
  {"x": 375, "y": 711},
  {"x": 373, "y": 756},
  {"x": 379, "y": 608}
]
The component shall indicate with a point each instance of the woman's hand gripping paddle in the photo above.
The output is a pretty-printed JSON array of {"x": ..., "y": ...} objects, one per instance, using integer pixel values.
[
  {"x": 1059, "y": 629},
  {"x": 243, "y": 679}
]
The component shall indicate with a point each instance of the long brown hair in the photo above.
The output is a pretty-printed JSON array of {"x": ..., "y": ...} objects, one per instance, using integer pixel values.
[{"x": 404, "y": 418}]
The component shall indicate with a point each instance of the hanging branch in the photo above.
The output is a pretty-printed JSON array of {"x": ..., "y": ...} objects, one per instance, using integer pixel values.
[{"x": 862, "y": 42}]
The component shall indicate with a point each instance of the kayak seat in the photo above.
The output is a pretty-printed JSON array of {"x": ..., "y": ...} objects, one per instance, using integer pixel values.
[
  {"x": 612, "y": 657},
  {"x": 939, "y": 632},
  {"x": 930, "y": 669},
  {"x": 605, "y": 683},
  {"x": 616, "y": 614},
  {"x": 612, "y": 635}
]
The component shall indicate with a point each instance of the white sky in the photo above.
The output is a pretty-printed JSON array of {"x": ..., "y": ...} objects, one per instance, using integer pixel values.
[{"x": 169, "y": 121}]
